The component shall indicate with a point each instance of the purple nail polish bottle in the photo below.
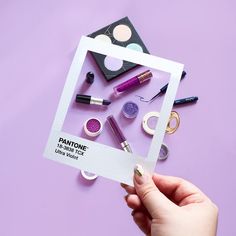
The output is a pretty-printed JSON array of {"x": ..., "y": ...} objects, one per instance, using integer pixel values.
[{"x": 133, "y": 82}]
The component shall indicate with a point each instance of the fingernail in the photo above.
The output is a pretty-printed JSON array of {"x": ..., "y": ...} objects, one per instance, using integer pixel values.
[
  {"x": 138, "y": 169},
  {"x": 123, "y": 185},
  {"x": 139, "y": 176}
]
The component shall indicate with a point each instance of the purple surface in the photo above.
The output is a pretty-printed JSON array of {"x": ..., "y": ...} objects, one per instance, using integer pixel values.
[{"x": 37, "y": 43}]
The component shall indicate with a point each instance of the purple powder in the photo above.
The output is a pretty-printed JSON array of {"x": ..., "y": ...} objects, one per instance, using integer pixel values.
[
  {"x": 93, "y": 125},
  {"x": 130, "y": 110}
]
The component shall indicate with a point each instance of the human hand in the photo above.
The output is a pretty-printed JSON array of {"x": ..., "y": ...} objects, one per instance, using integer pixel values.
[{"x": 170, "y": 206}]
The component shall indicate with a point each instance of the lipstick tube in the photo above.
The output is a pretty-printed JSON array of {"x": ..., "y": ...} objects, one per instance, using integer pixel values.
[
  {"x": 133, "y": 82},
  {"x": 86, "y": 99},
  {"x": 118, "y": 134}
]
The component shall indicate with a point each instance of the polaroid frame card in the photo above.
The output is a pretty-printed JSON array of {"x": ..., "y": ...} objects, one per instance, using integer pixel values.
[{"x": 98, "y": 158}]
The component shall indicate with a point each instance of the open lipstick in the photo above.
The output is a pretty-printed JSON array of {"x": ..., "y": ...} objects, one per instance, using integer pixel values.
[
  {"x": 86, "y": 99},
  {"x": 118, "y": 134}
]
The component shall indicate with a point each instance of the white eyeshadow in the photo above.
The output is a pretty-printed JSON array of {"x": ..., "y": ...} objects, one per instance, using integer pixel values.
[
  {"x": 103, "y": 38},
  {"x": 122, "y": 33}
]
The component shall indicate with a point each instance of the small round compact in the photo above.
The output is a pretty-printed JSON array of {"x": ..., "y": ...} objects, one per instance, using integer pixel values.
[
  {"x": 87, "y": 175},
  {"x": 130, "y": 110},
  {"x": 145, "y": 123},
  {"x": 93, "y": 127},
  {"x": 170, "y": 129},
  {"x": 164, "y": 152}
]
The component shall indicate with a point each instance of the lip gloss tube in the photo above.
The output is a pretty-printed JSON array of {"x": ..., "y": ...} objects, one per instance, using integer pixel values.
[
  {"x": 118, "y": 134},
  {"x": 133, "y": 82}
]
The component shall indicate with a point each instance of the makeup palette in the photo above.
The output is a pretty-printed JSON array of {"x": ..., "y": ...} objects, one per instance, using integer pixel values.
[{"x": 121, "y": 33}]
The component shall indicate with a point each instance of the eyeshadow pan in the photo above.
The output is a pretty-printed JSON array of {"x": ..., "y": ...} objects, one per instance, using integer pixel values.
[
  {"x": 103, "y": 38},
  {"x": 122, "y": 33},
  {"x": 135, "y": 47},
  {"x": 112, "y": 63}
]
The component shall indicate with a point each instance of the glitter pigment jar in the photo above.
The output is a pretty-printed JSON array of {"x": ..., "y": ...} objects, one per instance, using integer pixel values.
[{"x": 93, "y": 127}]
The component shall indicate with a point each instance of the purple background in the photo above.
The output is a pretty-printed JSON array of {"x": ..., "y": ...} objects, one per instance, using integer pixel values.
[{"x": 37, "y": 43}]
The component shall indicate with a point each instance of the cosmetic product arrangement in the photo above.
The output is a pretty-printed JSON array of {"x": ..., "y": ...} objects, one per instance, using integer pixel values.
[
  {"x": 122, "y": 33},
  {"x": 98, "y": 125}
]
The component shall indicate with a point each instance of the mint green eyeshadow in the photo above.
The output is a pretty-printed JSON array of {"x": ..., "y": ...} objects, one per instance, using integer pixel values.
[{"x": 135, "y": 46}]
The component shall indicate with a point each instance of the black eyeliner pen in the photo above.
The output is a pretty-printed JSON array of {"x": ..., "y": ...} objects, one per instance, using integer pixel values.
[
  {"x": 185, "y": 101},
  {"x": 164, "y": 88}
]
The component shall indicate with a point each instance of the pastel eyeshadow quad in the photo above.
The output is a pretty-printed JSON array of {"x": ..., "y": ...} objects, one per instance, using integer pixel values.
[{"x": 122, "y": 33}]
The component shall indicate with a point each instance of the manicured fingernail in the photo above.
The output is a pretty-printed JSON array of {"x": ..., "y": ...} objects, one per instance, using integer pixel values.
[
  {"x": 138, "y": 169},
  {"x": 139, "y": 176}
]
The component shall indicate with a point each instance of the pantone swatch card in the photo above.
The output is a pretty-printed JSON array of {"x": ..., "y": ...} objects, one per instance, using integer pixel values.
[{"x": 95, "y": 128}]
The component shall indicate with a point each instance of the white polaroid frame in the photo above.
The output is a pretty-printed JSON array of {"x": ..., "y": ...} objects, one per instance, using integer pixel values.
[{"x": 95, "y": 157}]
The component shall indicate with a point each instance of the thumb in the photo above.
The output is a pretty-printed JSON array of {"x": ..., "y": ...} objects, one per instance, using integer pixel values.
[{"x": 156, "y": 203}]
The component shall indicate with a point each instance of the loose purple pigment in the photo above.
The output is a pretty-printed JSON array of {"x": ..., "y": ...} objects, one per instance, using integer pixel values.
[
  {"x": 130, "y": 109},
  {"x": 93, "y": 125}
]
